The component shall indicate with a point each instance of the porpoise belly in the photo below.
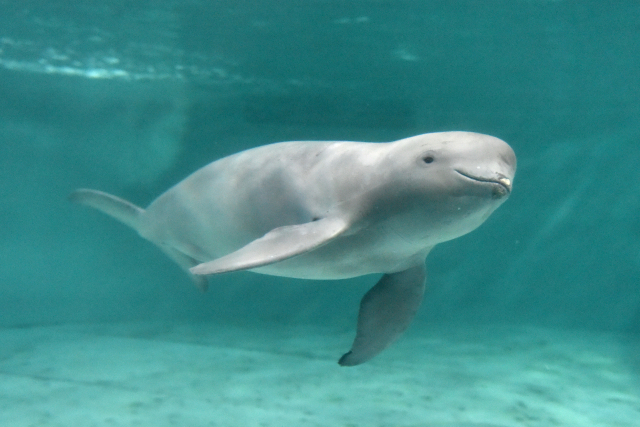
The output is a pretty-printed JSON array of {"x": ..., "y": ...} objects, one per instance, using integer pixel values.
[{"x": 349, "y": 256}]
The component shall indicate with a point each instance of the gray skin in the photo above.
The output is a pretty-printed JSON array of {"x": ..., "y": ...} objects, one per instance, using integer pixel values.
[{"x": 329, "y": 210}]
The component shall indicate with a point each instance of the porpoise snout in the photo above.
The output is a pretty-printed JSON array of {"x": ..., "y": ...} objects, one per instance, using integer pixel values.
[
  {"x": 505, "y": 182},
  {"x": 503, "y": 188},
  {"x": 501, "y": 184}
]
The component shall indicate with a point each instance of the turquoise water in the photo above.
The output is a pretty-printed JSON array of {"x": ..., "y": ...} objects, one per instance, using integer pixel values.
[{"x": 130, "y": 99}]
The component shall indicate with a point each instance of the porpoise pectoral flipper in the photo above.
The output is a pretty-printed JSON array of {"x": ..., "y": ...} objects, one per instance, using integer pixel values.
[
  {"x": 130, "y": 214},
  {"x": 385, "y": 312},
  {"x": 277, "y": 245},
  {"x": 186, "y": 262}
]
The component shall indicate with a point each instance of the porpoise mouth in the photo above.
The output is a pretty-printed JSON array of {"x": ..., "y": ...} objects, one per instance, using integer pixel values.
[{"x": 503, "y": 182}]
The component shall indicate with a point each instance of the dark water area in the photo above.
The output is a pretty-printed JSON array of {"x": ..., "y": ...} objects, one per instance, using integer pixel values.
[{"x": 131, "y": 97}]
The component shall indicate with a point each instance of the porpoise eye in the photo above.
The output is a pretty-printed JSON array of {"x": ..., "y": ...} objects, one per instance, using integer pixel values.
[{"x": 428, "y": 158}]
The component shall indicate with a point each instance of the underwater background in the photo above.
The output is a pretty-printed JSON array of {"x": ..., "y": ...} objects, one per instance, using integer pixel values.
[{"x": 131, "y": 97}]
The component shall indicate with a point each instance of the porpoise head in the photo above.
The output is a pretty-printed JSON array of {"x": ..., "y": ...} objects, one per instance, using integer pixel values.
[{"x": 447, "y": 184}]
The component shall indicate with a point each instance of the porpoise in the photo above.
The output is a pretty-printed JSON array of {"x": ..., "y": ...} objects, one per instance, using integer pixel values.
[{"x": 329, "y": 210}]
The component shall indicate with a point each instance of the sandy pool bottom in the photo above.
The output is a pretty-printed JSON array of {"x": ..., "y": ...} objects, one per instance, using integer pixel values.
[{"x": 206, "y": 374}]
